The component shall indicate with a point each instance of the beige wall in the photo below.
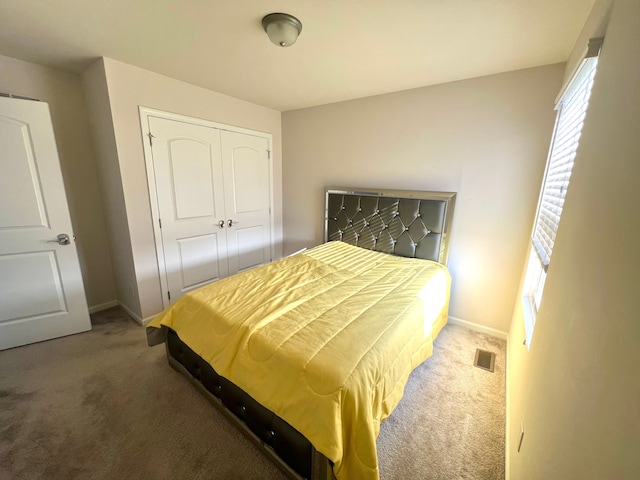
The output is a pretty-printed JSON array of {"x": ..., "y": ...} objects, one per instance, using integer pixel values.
[
  {"x": 130, "y": 87},
  {"x": 95, "y": 87},
  {"x": 577, "y": 389},
  {"x": 63, "y": 92},
  {"x": 485, "y": 138}
]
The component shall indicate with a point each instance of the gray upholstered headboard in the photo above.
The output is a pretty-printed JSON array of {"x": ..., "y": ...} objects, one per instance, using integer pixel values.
[{"x": 400, "y": 222}]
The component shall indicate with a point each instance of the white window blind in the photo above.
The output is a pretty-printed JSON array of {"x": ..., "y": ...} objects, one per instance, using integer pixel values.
[{"x": 572, "y": 108}]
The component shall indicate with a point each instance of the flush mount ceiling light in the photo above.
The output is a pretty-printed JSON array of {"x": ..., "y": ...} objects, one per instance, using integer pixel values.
[{"x": 283, "y": 29}]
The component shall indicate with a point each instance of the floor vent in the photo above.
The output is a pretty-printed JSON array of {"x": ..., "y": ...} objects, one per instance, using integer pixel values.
[{"x": 485, "y": 360}]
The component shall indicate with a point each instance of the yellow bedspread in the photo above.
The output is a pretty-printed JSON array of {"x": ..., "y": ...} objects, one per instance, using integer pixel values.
[{"x": 326, "y": 339}]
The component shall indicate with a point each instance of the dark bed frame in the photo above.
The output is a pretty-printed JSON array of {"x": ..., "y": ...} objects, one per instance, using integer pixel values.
[{"x": 399, "y": 222}]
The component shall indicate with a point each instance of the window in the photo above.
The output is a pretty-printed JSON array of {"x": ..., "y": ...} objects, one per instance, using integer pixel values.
[{"x": 572, "y": 108}]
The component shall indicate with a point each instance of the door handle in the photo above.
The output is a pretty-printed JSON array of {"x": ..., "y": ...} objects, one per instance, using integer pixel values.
[
  {"x": 221, "y": 224},
  {"x": 62, "y": 239},
  {"x": 231, "y": 223}
]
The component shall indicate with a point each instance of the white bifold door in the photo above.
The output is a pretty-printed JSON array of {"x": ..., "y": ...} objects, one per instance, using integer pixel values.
[
  {"x": 41, "y": 290},
  {"x": 212, "y": 189}
]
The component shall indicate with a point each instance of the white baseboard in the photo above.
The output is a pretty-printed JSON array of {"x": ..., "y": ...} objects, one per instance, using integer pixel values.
[
  {"x": 494, "y": 332},
  {"x": 103, "y": 306},
  {"x": 148, "y": 319},
  {"x": 297, "y": 252},
  {"x": 135, "y": 316},
  {"x": 115, "y": 303}
]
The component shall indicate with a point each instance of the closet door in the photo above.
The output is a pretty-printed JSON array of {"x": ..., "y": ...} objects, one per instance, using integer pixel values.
[
  {"x": 187, "y": 166},
  {"x": 247, "y": 200}
]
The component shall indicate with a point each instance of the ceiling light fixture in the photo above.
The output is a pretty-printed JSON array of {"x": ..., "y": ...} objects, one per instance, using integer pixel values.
[{"x": 283, "y": 29}]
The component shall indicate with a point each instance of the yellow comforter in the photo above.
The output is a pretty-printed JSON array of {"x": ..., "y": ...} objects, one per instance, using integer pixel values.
[{"x": 326, "y": 339}]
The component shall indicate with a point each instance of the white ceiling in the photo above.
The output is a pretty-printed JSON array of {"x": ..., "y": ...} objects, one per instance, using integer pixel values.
[{"x": 347, "y": 49}]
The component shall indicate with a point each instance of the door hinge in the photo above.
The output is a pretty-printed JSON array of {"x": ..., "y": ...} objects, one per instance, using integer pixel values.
[
  {"x": 269, "y": 154},
  {"x": 169, "y": 295},
  {"x": 151, "y": 137},
  {"x": 160, "y": 222}
]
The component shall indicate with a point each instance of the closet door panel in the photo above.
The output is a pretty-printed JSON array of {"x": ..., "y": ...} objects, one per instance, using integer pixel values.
[
  {"x": 187, "y": 164},
  {"x": 247, "y": 200}
]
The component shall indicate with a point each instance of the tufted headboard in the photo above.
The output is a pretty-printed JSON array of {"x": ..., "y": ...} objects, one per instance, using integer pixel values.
[{"x": 399, "y": 222}]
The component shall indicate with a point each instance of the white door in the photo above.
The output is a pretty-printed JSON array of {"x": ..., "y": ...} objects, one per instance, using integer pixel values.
[
  {"x": 212, "y": 189},
  {"x": 247, "y": 200},
  {"x": 187, "y": 167},
  {"x": 41, "y": 290}
]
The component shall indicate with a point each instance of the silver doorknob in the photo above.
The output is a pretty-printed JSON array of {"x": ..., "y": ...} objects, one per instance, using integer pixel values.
[
  {"x": 62, "y": 239},
  {"x": 221, "y": 224},
  {"x": 231, "y": 223}
]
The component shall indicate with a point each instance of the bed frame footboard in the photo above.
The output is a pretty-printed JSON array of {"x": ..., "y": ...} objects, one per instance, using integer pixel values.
[{"x": 284, "y": 445}]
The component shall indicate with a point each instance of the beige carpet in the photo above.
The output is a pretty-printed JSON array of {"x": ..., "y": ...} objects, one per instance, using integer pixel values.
[
  {"x": 102, "y": 405},
  {"x": 450, "y": 424}
]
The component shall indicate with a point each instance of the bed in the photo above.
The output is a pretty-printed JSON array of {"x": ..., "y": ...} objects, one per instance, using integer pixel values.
[{"x": 309, "y": 354}]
